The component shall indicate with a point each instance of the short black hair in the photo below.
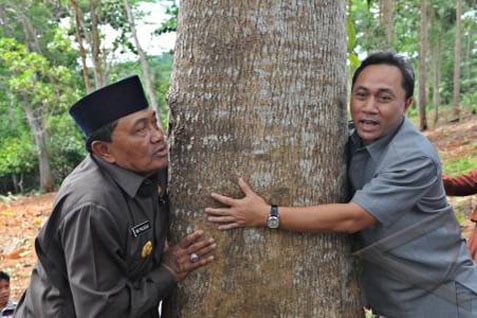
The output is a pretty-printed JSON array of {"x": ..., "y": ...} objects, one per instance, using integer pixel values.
[
  {"x": 4, "y": 276},
  {"x": 393, "y": 59},
  {"x": 103, "y": 134}
]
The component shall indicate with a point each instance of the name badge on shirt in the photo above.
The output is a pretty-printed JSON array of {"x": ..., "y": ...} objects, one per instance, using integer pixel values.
[{"x": 141, "y": 228}]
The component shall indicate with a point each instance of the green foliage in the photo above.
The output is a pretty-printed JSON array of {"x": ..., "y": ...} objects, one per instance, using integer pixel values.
[
  {"x": 34, "y": 87},
  {"x": 459, "y": 209},
  {"x": 461, "y": 165},
  {"x": 113, "y": 13},
  {"x": 59, "y": 51},
  {"x": 353, "y": 59},
  {"x": 368, "y": 313},
  {"x": 170, "y": 25},
  {"x": 66, "y": 142},
  {"x": 368, "y": 32},
  {"x": 29, "y": 75},
  {"x": 17, "y": 154},
  {"x": 40, "y": 67}
]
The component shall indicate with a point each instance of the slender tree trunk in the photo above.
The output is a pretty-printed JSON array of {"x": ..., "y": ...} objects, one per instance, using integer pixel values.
[
  {"x": 142, "y": 58},
  {"x": 47, "y": 180},
  {"x": 96, "y": 45},
  {"x": 423, "y": 44},
  {"x": 79, "y": 38},
  {"x": 469, "y": 48},
  {"x": 260, "y": 91},
  {"x": 386, "y": 12},
  {"x": 457, "y": 46},
  {"x": 34, "y": 114},
  {"x": 31, "y": 38},
  {"x": 436, "y": 96}
]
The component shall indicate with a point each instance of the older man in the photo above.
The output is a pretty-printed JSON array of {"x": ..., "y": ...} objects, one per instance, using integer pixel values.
[
  {"x": 103, "y": 252},
  {"x": 415, "y": 262}
]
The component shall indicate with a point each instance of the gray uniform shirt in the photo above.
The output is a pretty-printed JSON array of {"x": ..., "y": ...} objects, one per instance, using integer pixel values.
[
  {"x": 100, "y": 250},
  {"x": 397, "y": 179}
]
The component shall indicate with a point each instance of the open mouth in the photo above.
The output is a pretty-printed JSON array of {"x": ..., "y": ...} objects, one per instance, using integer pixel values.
[
  {"x": 368, "y": 124},
  {"x": 161, "y": 152}
]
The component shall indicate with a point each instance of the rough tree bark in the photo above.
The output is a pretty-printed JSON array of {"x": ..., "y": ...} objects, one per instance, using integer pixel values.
[{"x": 258, "y": 89}]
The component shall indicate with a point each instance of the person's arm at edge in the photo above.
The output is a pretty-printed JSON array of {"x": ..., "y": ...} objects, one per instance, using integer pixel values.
[
  {"x": 461, "y": 185},
  {"x": 252, "y": 211}
]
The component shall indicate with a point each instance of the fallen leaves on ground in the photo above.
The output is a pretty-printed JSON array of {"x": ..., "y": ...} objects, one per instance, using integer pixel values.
[{"x": 21, "y": 218}]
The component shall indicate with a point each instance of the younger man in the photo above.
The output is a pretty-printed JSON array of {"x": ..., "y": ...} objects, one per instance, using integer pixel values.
[{"x": 415, "y": 262}]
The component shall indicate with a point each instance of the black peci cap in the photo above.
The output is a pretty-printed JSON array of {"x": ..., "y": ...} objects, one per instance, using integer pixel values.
[{"x": 108, "y": 104}]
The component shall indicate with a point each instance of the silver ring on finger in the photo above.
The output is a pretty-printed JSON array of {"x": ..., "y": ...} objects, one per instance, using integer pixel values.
[{"x": 194, "y": 257}]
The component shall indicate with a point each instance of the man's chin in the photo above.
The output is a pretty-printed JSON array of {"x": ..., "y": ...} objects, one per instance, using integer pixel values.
[
  {"x": 368, "y": 137},
  {"x": 161, "y": 164},
  {"x": 153, "y": 169}
]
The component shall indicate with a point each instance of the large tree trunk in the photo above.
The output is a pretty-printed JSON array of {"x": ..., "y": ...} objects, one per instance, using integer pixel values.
[
  {"x": 457, "y": 46},
  {"x": 423, "y": 44},
  {"x": 260, "y": 91}
]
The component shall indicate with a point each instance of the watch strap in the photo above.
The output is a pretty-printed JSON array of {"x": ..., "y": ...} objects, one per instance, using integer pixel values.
[{"x": 274, "y": 210}]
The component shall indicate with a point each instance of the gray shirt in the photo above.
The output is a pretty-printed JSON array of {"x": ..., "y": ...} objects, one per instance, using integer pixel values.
[
  {"x": 100, "y": 251},
  {"x": 397, "y": 179}
]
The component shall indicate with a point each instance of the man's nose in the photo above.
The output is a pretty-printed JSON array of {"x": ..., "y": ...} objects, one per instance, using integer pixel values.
[
  {"x": 157, "y": 135},
  {"x": 369, "y": 105}
]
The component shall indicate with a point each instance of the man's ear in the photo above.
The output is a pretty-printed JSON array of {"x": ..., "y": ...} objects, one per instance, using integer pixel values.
[
  {"x": 408, "y": 103},
  {"x": 102, "y": 150}
]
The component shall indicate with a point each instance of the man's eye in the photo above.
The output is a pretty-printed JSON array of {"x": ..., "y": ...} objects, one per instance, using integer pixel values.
[
  {"x": 140, "y": 130},
  {"x": 385, "y": 98}
]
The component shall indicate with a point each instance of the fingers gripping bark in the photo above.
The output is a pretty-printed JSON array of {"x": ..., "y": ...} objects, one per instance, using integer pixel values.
[
  {"x": 178, "y": 261},
  {"x": 251, "y": 210}
]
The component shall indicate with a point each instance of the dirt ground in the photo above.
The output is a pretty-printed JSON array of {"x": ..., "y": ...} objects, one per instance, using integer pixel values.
[{"x": 21, "y": 217}]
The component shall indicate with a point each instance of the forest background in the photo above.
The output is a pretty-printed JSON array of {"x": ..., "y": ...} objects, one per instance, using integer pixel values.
[{"x": 52, "y": 52}]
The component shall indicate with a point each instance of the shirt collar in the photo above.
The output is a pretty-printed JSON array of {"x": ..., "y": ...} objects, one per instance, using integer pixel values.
[
  {"x": 376, "y": 147},
  {"x": 128, "y": 180}
]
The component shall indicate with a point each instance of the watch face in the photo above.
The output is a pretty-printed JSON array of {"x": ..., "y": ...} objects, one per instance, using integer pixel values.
[{"x": 273, "y": 222}]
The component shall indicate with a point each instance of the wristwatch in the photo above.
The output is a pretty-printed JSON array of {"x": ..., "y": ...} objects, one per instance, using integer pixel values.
[{"x": 273, "y": 221}]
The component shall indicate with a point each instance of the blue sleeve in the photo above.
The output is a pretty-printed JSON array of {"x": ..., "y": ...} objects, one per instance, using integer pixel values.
[{"x": 397, "y": 188}]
